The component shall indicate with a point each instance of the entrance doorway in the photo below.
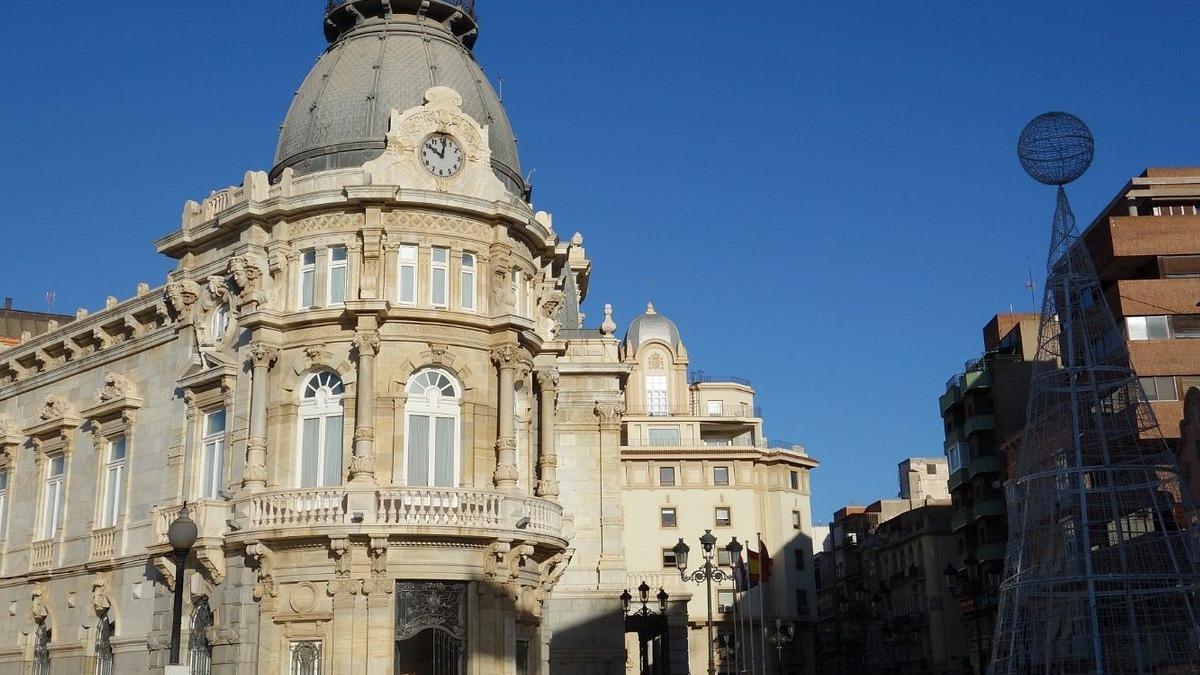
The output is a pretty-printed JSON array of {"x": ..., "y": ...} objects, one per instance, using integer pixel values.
[
  {"x": 654, "y": 643},
  {"x": 431, "y": 636}
]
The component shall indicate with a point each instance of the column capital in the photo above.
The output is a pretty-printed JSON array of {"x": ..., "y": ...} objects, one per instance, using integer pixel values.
[
  {"x": 548, "y": 378},
  {"x": 508, "y": 355},
  {"x": 368, "y": 343},
  {"x": 609, "y": 413},
  {"x": 262, "y": 355}
]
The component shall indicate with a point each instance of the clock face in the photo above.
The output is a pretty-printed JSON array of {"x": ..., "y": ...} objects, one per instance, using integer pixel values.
[{"x": 441, "y": 155}]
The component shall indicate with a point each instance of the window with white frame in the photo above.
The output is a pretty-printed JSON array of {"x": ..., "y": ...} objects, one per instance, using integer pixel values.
[
  {"x": 432, "y": 411},
  {"x": 320, "y": 455},
  {"x": 517, "y": 285},
  {"x": 1159, "y": 388},
  {"x": 114, "y": 481},
  {"x": 439, "y": 275},
  {"x": 720, "y": 475},
  {"x": 52, "y": 497},
  {"x": 337, "y": 276},
  {"x": 656, "y": 394},
  {"x": 407, "y": 282},
  {"x": 663, "y": 436},
  {"x": 212, "y": 452},
  {"x": 1147, "y": 328},
  {"x": 467, "y": 282},
  {"x": 308, "y": 277},
  {"x": 724, "y": 601},
  {"x": 716, "y": 408},
  {"x": 723, "y": 516},
  {"x": 3, "y": 500}
]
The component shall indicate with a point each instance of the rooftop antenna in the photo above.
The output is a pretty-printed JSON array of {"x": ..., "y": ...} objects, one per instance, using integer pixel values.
[
  {"x": 501, "y": 92},
  {"x": 50, "y": 297}
]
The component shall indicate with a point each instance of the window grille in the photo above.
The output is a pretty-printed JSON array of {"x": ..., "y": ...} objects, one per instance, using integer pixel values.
[
  {"x": 199, "y": 648},
  {"x": 104, "y": 652},
  {"x": 306, "y": 658},
  {"x": 41, "y": 650}
]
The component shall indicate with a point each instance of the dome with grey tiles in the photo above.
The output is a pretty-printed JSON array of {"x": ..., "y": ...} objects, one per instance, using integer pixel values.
[
  {"x": 651, "y": 326},
  {"x": 385, "y": 54}
]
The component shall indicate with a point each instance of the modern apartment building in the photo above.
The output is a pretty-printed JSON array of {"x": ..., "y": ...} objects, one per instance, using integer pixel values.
[
  {"x": 1146, "y": 249},
  {"x": 17, "y": 325},
  {"x": 983, "y": 413}
]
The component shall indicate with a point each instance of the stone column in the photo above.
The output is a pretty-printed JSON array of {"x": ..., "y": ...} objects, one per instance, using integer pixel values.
[
  {"x": 508, "y": 358},
  {"x": 262, "y": 357},
  {"x": 362, "y": 467},
  {"x": 547, "y": 456}
]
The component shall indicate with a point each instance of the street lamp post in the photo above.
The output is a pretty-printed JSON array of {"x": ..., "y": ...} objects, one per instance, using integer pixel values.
[
  {"x": 182, "y": 536},
  {"x": 706, "y": 574},
  {"x": 646, "y": 614},
  {"x": 974, "y": 590},
  {"x": 782, "y": 637}
]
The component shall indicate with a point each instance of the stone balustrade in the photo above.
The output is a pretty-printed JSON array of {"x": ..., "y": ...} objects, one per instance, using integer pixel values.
[
  {"x": 310, "y": 506},
  {"x": 41, "y": 555},
  {"x": 104, "y": 544},
  {"x": 210, "y": 516}
]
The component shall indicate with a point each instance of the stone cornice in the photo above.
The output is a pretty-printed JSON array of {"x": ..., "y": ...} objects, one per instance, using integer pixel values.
[{"x": 85, "y": 363}]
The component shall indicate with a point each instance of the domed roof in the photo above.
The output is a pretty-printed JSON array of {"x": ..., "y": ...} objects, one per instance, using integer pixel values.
[
  {"x": 651, "y": 326},
  {"x": 385, "y": 54}
]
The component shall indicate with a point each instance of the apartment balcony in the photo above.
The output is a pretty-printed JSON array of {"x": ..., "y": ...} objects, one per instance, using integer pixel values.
[
  {"x": 953, "y": 395},
  {"x": 984, "y": 465},
  {"x": 41, "y": 555},
  {"x": 104, "y": 544},
  {"x": 978, "y": 423},
  {"x": 986, "y": 552},
  {"x": 983, "y": 508},
  {"x": 977, "y": 379}
]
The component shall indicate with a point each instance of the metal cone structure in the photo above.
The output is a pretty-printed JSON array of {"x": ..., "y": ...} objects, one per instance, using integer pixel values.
[{"x": 1102, "y": 568}]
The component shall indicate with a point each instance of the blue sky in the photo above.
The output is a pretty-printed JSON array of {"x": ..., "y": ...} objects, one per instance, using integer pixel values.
[{"x": 824, "y": 196}]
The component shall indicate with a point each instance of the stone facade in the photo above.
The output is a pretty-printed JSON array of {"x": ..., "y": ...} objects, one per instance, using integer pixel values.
[{"x": 372, "y": 388}]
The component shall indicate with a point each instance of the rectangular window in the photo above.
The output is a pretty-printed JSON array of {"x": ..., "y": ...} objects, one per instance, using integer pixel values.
[
  {"x": 1184, "y": 326},
  {"x": 718, "y": 442},
  {"x": 212, "y": 452},
  {"x": 431, "y": 451},
  {"x": 1147, "y": 328},
  {"x": 802, "y": 602},
  {"x": 794, "y": 480},
  {"x": 798, "y": 554},
  {"x": 522, "y": 657},
  {"x": 796, "y": 522},
  {"x": 467, "y": 282},
  {"x": 114, "y": 475},
  {"x": 668, "y": 557},
  {"x": 321, "y": 451},
  {"x": 337, "y": 275},
  {"x": 931, "y": 469},
  {"x": 408, "y": 275},
  {"x": 724, "y": 601},
  {"x": 720, "y": 475},
  {"x": 724, "y": 557},
  {"x": 439, "y": 275},
  {"x": 666, "y": 516},
  {"x": 666, "y": 475},
  {"x": 663, "y": 436},
  {"x": 656, "y": 395},
  {"x": 716, "y": 408},
  {"x": 723, "y": 516},
  {"x": 518, "y": 287},
  {"x": 3, "y": 500},
  {"x": 1159, "y": 388},
  {"x": 308, "y": 276},
  {"x": 53, "y": 496}
]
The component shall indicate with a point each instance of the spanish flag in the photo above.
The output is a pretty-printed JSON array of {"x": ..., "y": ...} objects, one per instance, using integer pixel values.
[
  {"x": 755, "y": 567},
  {"x": 764, "y": 564}
]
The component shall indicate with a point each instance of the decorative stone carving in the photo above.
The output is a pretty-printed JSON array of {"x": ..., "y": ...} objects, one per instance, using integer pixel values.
[
  {"x": 609, "y": 413},
  {"x": 55, "y": 408},
  {"x": 262, "y": 355},
  {"x": 10, "y": 440},
  {"x": 101, "y": 602},
  {"x": 424, "y": 605},
  {"x": 341, "y": 584},
  {"x": 507, "y": 355},
  {"x": 548, "y": 379},
  {"x": 261, "y": 558},
  {"x": 181, "y": 296},
  {"x": 439, "y": 354},
  {"x": 502, "y": 565},
  {"x": 247, "y": 278},
  {"x": 37, "y": 609},
  {"x": 609, "y": 327},
  {"x": 368, "y": 343},
  {"x": 442, "y": 113},
  {"x": 502, "y": 295},
  {"x": 116, "y": 387},
  {"x": 380, "y": 582}
]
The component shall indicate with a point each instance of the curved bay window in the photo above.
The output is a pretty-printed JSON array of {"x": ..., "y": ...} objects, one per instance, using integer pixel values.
[
  {"x": 431, "y": 425},
  {"x": 199, "y": 648},
  {"x": 431, "y": 628},
  {"x": 320, "y": 447},
  {"x": 41, "y": 650},
  {"x": 104, "y": 651}
]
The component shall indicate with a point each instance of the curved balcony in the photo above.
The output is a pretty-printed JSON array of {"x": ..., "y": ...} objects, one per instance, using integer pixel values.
[{"x": 412, "y": 511}]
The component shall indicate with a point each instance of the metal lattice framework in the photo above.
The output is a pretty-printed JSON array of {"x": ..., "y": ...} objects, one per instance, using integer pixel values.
[
  {"x": 467, "y": 6},
  {"x": 1101, "y": 573}
]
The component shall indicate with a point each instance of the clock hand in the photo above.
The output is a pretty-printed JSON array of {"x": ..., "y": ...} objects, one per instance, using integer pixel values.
[{"x": 442, "y": 154}]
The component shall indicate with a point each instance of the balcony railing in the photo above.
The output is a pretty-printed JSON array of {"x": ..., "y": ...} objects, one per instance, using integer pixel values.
[
  {"x": 210, "y": 516},
  {"x": 701, "y": 377},
  {"x": 41, "y": 555},
  {"x": 467, "y": 6},
  {"x": 324, "y": 506},
  {"x": 104, "y": 543}
]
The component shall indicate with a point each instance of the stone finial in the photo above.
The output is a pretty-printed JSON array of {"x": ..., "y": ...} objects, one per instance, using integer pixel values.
[
  {"x": 81, "y": 313},
  {"x": 650, "y": 308},
  {"x": 609, "y": 327},
  {"x": 577, "y": 239},
  {"x": 110, "y": 302},
  {"x": 52, "y": 325},
  {"x": 26, "y": 336},
  {"x": 143, "y": 289}
]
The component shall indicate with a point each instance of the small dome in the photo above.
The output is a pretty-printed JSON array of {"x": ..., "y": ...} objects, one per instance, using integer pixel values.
[
  {"x": 385, "y": 55},
  {"x": 651, "y": 326}
]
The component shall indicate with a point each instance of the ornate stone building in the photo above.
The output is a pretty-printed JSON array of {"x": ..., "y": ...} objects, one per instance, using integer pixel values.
[{"x": 368, "y": 379}]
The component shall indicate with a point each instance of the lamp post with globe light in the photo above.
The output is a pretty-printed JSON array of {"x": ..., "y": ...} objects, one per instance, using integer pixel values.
[
  {"x": 182, "y": 535},
  {"x": 706, "y": 574}
]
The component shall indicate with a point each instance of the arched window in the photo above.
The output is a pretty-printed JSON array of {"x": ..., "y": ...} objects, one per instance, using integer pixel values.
[
  {"x": 199, "y": 649},
  {"x": 104, "y": 651},
  {"x": 432, "y": 414},
  {"x": 41, "y": 650},
  {"x": 320, "y": 451}
]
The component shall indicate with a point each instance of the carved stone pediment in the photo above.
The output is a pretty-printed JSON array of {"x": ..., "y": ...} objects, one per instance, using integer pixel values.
[
  {"x": 56, "y": 422},
  {"x": 10, "y": 440},
  {"x": 400, "y": 163},
  {"x": 118, "y": 398}
]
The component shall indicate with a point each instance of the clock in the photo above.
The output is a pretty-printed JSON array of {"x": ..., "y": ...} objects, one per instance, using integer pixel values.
[{"x": 441, "y": 155}]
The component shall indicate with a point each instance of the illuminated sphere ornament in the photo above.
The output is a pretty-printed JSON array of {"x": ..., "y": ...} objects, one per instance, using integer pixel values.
[{"x": 1056, "y": 148}]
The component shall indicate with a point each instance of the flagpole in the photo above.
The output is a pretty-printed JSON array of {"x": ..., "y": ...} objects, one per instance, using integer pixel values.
[
  {"x": 754, "y": 670},
  {"x": 737, "y": 627},
  {"x": 763, "y": 578}
]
